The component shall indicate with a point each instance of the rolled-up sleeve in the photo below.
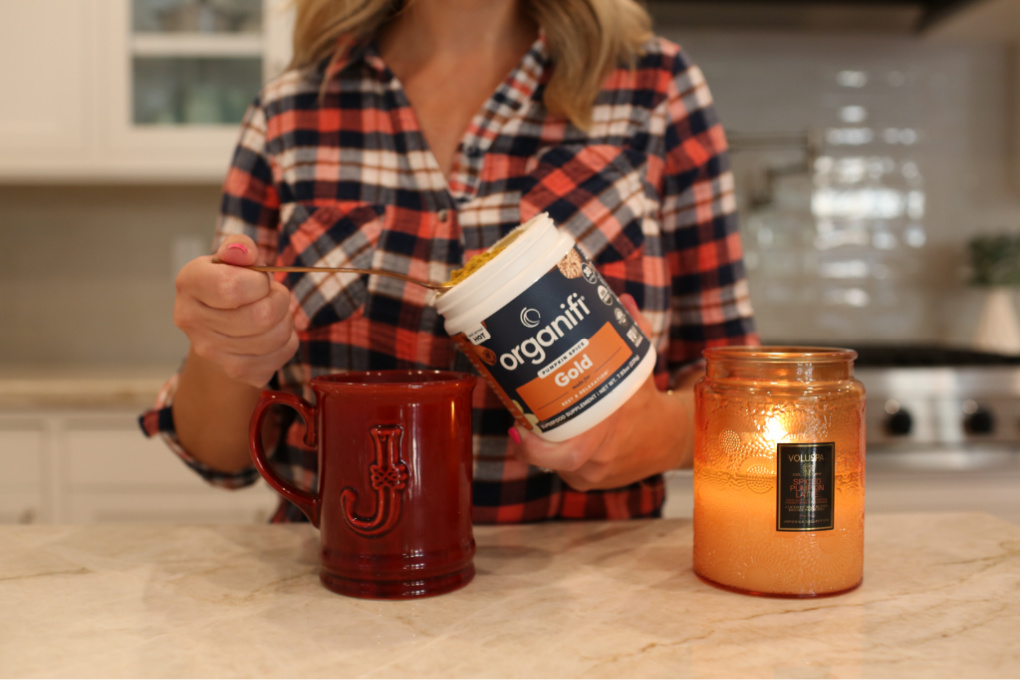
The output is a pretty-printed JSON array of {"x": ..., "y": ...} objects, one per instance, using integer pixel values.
[{"x": 159, "y": 422}]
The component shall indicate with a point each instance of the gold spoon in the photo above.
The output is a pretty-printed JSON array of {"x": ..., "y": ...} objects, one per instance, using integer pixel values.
[{"x": 431, "y": 285}]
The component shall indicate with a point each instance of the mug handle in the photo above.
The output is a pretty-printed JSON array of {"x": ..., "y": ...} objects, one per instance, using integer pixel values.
[{"x": 306, "y": 501}]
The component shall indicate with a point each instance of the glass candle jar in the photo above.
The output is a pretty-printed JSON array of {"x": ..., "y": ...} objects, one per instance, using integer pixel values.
[{"x": 779, "y": 471}]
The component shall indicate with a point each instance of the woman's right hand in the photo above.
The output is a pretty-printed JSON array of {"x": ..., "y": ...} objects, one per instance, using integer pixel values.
[{"x": 240, "y": 320}]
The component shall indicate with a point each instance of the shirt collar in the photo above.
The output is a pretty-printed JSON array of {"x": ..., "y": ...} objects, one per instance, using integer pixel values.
[{"x": 532, "y": 71}]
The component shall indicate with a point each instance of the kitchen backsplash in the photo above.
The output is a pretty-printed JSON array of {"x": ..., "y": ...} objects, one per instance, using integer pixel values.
[
  {"x": 909, "y": 143},
  {"x": 87, "y": 271},
  {"x": 909, "y": 149}
]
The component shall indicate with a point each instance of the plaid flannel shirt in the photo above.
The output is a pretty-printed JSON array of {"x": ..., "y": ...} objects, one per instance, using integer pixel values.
[{"x": 349, "y": 180}]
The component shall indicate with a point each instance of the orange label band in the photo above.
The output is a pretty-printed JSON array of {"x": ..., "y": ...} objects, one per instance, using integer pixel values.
[{"x": 549, "y": 395}]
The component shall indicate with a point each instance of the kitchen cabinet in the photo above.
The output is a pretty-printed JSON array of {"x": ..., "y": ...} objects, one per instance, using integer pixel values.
[
  {"x": 131, "y": 90},
  {"x": 990, "y": 21},
  {"x": 84, "y": 466},
  {"x": 997, "y": 20},
  {"x": 46, "y": 70},
  {"x": 23, "y": 452}
]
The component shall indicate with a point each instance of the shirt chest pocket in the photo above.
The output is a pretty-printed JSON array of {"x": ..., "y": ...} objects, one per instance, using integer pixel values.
[{"x": 337, "y": 235}]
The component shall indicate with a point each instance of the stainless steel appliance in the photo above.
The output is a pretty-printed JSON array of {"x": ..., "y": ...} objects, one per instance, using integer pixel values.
[{"x": 943, "y": 429}]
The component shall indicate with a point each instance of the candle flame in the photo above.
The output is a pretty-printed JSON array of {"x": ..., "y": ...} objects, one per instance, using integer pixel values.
[{"x": 774, "y": 429}]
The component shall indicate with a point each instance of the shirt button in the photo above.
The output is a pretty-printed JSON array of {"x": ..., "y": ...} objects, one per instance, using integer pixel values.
[{"x": 443, "y": 215}]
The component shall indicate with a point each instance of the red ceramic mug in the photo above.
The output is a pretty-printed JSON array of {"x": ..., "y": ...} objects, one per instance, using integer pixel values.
[{"x": 393, "y": 497}]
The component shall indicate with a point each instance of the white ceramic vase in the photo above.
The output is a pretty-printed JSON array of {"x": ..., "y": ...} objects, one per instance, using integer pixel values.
[{"x": 998, "y": 329}]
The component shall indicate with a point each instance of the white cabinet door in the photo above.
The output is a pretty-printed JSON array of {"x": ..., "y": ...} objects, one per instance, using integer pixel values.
[
  {"x": 112, "y": 473},
  {"x": 176, "y": 84},
  {"x": 22, "y": 471},
  {"x": 679, "y": 494},
  {"x": 137, "y": 91},
  {"x": 172, "y": 94},
  {"x": 107, "y": 453},
  {"x": 46, "y": 69}
]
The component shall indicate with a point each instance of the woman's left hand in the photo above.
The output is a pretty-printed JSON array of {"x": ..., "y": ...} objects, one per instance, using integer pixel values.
[{"x": 651, "y": 433}]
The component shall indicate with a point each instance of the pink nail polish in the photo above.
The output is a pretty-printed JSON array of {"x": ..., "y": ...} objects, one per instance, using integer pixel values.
[
  {"x": 514, "y": 435},
  {"x": 238, "y": 246}
]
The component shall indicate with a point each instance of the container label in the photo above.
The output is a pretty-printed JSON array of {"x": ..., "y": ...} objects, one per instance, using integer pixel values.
[
  {"x": 805, "y": 493},
  {"x": 478, "y": 336},
  {"x": 560, "y": 346}
]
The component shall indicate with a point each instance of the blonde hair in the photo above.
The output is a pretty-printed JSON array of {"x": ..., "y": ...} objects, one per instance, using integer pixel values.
[{"x": 586, "y": 40}]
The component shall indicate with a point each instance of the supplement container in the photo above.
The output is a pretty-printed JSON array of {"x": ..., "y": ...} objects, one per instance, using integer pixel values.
[{"x": 544, "y": 329}]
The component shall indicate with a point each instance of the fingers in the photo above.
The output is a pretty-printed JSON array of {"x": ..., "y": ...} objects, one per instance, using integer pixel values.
[
  {"x": 208, "y": 342},
  {"x": 238, "y": 249},
  {"x": 568, "y": 456},
  {"x": 252, "y": 357},
  {"x": 260, "y": 328},
  {"x": 620, "y": 450},
  {"x": 220, "y": 285},
  {"x": 246, "y": 321},
  {"x": 241, "y": 320},
  {"x": 576, "y": 460},
  {"x": 571, "y": 460}
]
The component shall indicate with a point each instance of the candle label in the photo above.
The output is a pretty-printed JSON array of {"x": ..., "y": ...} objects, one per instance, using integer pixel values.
[{"x": 806, "y": 489}]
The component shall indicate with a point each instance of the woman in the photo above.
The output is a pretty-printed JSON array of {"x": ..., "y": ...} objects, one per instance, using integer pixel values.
[{"x": 411, "y": 136}]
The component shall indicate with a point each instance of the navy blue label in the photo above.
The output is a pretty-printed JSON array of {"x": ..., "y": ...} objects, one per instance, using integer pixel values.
[{"x": 562, "y": 344}]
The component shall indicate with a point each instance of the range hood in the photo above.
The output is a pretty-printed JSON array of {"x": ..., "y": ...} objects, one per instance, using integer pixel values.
[{"x": 885, "y": 16}]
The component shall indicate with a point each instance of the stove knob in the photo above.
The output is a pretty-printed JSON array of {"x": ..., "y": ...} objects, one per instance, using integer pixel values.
[
  {"x": 978, "y": 419},
  {"x": 898, "y": 421}
]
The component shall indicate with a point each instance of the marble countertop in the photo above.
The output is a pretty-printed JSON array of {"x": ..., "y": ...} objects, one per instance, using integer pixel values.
[
  {"x": 80, "y": 386},
  {"x": 941, "y": 598}
]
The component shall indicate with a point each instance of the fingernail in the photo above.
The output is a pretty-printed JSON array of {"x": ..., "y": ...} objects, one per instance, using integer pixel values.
[
  {"x": 514, "y": 435},
  {"x": 238, "y": 246}
]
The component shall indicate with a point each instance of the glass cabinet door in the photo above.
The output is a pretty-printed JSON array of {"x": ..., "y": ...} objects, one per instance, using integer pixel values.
[{"x": 195, "y": 62}]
